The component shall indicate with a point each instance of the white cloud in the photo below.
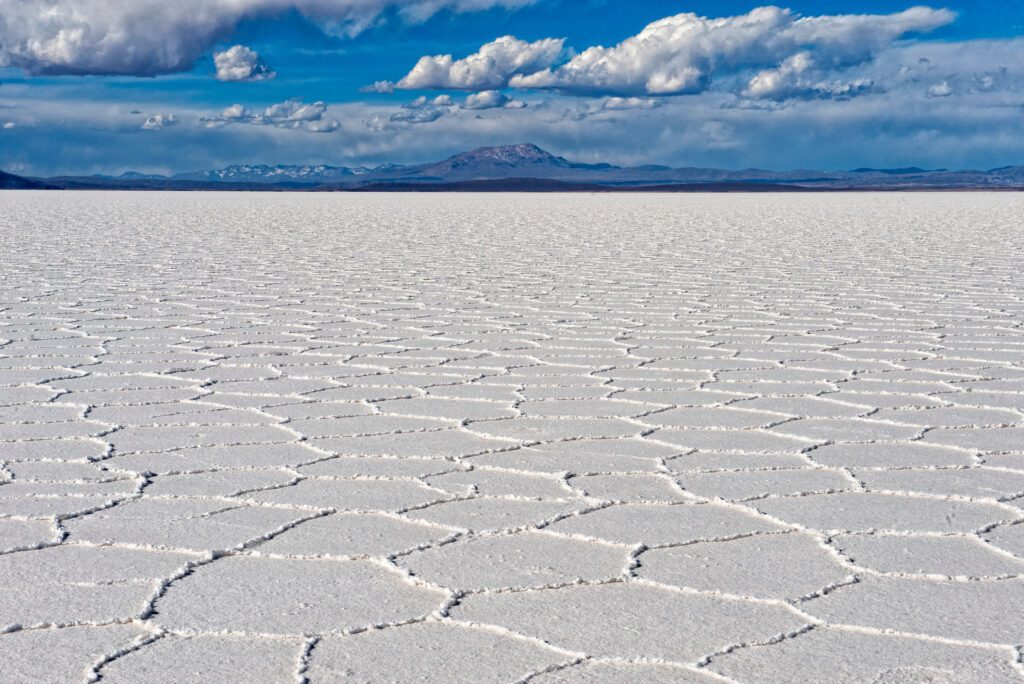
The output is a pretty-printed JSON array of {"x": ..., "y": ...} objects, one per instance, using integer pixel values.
[
  {"x": 685, "y": 53},
  {"x": 158, "y": 121},
  {"x": 383, "y": 87},
  {"x": 149, "y": 37},
  {"x": 416, "y": 116},
  {"x": 294, "y": 111},
  {"x": 322, "y": 126},
  {"x": 610, "y": 108},
  {"x": 8, "y": 125},
  {"x": 402, "y": 119},
  {"x": 489, "y": 68},
  {"x": 798, "y": 76},
  {"x": 235, "y": 111},
  {"x": 940, "y": 90},
  {"x": 491, "y": 99},
  {"x": 782, "y": 80},
  {"x": 240, "y": 63},
  {"x": 624, "y": 103},
  {"x": 422, "y": 110},
  {"x": 423, "y": 101},
  {"x": 291, "y": 113}
]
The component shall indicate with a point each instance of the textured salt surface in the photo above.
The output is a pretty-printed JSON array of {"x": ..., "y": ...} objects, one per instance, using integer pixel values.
[{"x": 509, "y": 438}]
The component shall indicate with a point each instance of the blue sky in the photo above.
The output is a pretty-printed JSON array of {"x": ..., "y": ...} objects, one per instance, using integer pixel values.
[{"x": 88, "y": 86}]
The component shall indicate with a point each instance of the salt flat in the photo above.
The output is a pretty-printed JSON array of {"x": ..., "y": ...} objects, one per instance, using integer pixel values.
[{"x": 752, "y": 438}]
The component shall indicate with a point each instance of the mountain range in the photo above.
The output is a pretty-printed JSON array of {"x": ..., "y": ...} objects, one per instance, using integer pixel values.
[{"x": 528, "y": 167}]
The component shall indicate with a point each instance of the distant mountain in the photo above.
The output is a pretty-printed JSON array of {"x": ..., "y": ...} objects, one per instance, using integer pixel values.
[
  {"x": 1009, "y": 174},
  {"x": 528, "y": 162},
  {"x": 894, "y": 172},
  {"x": 505, "y": 161},
  {"x": 280, "y": 173},
  {"x": 9, "y": 181},
  {"x": 129, "y": 176}
]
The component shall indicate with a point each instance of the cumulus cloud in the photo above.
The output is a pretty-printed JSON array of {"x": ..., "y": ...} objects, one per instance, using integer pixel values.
[
  {"x": 8, "y": 125},
  {"x": 798, "y": 76},
  {"x": 240, "y": 63},
  {"x": 685, "y": 53},
  {"x": 422, "y": 110},
  {"x": 491, "y": 99},
  {"x": 150, "y": 37},
  {"x": 158, "y": 121},
  {"x": 424, "y": 101},
  {"x": 294, "y": 112},
  {"x": 489, "y": 68},
  {"x": 235, "y": 112},
  {"x": 291, "y": 113},
  {"x": 940, "y": 90},
  {"x": 781, "y": 80}
]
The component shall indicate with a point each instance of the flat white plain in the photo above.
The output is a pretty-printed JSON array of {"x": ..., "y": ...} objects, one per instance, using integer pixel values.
[{"x": 554, "y": 438}]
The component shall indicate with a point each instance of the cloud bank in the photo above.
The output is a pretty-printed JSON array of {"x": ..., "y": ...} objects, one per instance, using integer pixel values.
[
  {"x": 787, "y": 55},
  {"x": 683, "y": 54},
  {"x": 151, "y": 37}
]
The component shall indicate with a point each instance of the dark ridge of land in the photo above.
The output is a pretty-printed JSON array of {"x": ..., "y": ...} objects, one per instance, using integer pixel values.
[
  {"x": 488, "y": 185},
  {"x": 530, "y": 183},
  {"x": 525, "y": 167},
  {"x": 89, "y": 183},
  {"x": 545, "y": 185},
  {"x": 8, "y": 181}
]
